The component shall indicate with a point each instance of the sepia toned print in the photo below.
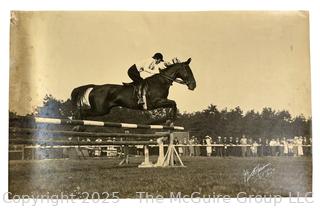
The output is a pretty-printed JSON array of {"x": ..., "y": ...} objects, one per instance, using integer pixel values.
[{"x": 126, "y": 104}]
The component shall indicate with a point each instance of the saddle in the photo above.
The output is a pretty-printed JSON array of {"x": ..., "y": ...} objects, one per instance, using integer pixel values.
[{"x": 139, "y": 92}]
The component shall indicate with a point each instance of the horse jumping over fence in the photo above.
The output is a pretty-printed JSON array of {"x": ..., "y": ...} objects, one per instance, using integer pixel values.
[
  {"x": 46, "y": 137},
  {"x": 102, "y": 98}
]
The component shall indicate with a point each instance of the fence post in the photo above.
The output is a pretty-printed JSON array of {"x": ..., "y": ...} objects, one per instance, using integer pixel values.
[
  {"x": 146, "y": 163},
  {"x": 161, "y": 152}
]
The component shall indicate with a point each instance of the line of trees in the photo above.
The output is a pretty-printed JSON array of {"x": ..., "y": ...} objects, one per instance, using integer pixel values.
[{"x": 233, "y": 122}]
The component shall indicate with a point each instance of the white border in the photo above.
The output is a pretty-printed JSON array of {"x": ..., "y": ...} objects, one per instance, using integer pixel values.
[{"x": 161, "y": 5}]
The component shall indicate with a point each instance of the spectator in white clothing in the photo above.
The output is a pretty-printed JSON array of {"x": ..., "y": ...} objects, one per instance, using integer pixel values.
[{"x": 208, "y": 140}]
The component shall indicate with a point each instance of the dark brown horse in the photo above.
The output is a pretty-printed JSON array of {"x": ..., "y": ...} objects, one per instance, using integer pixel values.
[{"x": 104, "y": 97}]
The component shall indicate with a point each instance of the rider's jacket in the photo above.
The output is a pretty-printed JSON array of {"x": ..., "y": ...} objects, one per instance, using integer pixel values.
[{"x": 149, "y": 66}]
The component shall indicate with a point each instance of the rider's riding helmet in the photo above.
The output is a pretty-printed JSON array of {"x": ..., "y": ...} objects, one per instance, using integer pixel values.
[{"x": 158, "y": 56}]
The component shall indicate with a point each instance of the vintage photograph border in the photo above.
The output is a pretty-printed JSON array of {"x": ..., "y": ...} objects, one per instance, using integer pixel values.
[{"x": 285, "y": 5}]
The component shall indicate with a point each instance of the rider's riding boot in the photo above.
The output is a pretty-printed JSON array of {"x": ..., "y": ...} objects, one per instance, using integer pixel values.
[{"x": 140, "y": 97}]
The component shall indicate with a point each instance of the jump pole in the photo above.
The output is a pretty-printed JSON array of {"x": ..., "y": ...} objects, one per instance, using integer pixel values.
[{"x": 40, "y": 120}]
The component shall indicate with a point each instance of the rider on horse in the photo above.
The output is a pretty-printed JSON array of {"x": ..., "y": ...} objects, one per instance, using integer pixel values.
[
  {"x": 156, "y": 64},
  {"x": 102, "y": 98}
]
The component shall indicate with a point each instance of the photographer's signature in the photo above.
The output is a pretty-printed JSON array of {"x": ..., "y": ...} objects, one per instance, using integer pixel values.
[{"x": 257, "y": 173}]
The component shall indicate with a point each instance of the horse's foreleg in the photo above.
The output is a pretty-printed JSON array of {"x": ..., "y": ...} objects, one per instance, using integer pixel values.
[
  {"x": 174, "y": 112},
  {"x": 166, "y": 103}
]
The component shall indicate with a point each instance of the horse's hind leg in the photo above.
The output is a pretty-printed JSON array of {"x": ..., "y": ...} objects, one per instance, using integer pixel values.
[{"x": 77, "y": 114}]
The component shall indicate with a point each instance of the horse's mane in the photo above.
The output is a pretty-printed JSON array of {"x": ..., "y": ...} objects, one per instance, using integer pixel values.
[{"x": 172, "y": 65}]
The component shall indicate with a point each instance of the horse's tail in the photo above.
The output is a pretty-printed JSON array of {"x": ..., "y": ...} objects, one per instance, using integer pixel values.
[{"x": 77, "y": 95}]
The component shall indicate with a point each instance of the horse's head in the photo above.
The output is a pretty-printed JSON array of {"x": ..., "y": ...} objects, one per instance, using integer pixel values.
[{"x": 184, "y": 72}]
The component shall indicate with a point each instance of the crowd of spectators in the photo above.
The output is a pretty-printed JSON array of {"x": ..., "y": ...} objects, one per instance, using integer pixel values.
[{"x": 244, "y": 147}]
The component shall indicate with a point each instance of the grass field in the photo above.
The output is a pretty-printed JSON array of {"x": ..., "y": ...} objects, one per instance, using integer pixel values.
[{"x": 202, "y": 174}]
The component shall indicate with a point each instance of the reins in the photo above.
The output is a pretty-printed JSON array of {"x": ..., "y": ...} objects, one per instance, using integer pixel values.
[{"x": 168, "y": 77}]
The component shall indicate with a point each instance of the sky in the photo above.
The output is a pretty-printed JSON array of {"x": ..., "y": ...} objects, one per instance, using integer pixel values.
[{"x": 247, "y": 59}]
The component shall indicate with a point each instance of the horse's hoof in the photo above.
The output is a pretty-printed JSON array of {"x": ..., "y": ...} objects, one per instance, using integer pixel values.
[
  {"x": 75, "y": 128},
  {"x": 169, "y": 123},
  {"x": 78, "y": 128}
]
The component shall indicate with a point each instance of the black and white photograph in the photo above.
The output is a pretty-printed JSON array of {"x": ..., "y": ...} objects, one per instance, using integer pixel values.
[{"x": 116, "y": 105}]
